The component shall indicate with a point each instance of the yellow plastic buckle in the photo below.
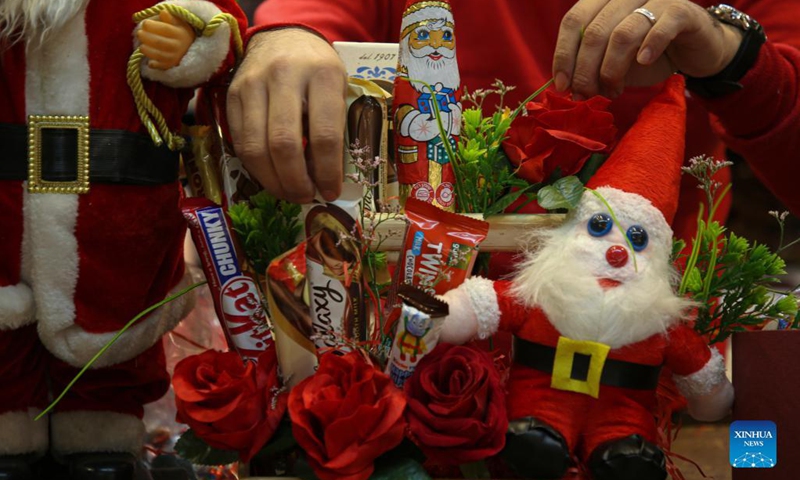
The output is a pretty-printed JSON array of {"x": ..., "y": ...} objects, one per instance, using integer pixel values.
[
  {"x": 37, "y": 123},
  {"x": 563, "y": 366}
]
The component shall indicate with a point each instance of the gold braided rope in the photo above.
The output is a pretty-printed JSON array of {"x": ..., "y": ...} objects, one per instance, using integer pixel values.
[{"x": 151, "y": 116}]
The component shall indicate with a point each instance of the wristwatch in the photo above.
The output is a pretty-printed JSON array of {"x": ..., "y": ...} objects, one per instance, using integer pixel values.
[{"x": 727, "y": 81}]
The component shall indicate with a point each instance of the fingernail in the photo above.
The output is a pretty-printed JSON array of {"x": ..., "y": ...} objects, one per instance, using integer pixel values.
[
  {"x": 330, "y": 195},
  {"x": 645, "y": 55},
  {"x": 561, "y": 81}
]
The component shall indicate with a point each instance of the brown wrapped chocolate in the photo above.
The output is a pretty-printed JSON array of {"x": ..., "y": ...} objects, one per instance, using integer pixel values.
[
  {"x": 333, "y": 260},
  {"x": 287, "y": 296}
]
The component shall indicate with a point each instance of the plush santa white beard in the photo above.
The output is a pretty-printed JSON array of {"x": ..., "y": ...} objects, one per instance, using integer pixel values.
[
  {"x": 422, "y": 68},
  {"x": 34, "y": 20},
  {"x": 579, "y": 308}
]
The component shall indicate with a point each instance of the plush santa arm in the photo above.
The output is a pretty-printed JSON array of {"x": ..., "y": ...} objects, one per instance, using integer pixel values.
[
  {"x": 203, "y": 59},
  {"x": 474, "y": 311},
  {"x": 707, "y": 391}
]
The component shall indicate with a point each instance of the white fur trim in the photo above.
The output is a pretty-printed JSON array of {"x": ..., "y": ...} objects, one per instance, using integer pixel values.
[
  {"x": 50, "y": 220},
  {"x": 20, "y": 434},
  {"x": 203, "y": 58},
  {"x": 705, "y": 380},
  {"x": 75, "y": 346},
  {"x": 16, "y": 306},
  {"x": 474, "y": 311},
  {"x": 57, "y": 72},
  {"x": 84, "y": 431},
  {"x": 714, "y": 406}
]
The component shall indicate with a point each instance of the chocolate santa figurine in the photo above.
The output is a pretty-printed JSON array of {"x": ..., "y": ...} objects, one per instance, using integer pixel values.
[
  {"x": 427, "y": 74},
  {"x": 595, "y": 318},
  {"x": 91, "y": 231}
]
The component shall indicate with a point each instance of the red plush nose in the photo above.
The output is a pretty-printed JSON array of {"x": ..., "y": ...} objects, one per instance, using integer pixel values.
[{"x": 617, "y": 256}]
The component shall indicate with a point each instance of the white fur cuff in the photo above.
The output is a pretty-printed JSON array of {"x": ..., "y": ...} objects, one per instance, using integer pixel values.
[
  {"x": 76, "y": 346},
  {"x": 16, "y": 306},
  {"x": 20, "y": 434},
  {"x": 203, "y": 58},
  {"x": 705, "y": 380},
  {"x": 84, "y": 432},
  {"x": 483, "y": 298}
]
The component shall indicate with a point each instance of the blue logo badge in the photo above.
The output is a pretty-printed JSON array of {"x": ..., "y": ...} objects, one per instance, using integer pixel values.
[{"x": 754, "y": 444}]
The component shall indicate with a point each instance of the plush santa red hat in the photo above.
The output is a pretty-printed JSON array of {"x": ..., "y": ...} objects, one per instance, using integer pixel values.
[{"x": 647, "y": 161}]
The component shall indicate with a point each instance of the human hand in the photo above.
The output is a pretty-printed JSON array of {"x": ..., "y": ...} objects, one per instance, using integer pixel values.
[
  {"x": 604, "y": 46},
  {"x": 165, "y": 41},
  {"x": 287, "y": 75}
]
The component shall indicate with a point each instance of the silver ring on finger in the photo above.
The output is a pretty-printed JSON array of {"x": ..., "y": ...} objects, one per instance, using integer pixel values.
[{"x": 650, "y": 16}]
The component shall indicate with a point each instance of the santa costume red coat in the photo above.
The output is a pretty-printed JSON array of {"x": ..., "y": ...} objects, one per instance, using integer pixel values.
[
  {"x": 76, "y": 267},
  {"x": 594, "y": 314}
]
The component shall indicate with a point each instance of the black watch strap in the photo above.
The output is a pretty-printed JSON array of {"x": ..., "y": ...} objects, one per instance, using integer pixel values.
[{"x": 727, "y": 81}]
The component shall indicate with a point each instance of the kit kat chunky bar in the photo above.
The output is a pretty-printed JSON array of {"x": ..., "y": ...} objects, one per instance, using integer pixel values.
[{"x": 237, "y": 300}]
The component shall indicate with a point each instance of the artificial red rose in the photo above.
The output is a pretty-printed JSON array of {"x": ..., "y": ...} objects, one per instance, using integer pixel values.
[
  {"x": 559, "y": 133},
  {"x": 346, "y": 415},
  {"x": 230, "y": 404},
  {"x": 456, "y": 405}
]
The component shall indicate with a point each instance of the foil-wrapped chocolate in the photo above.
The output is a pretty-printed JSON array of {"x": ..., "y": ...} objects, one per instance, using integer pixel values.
[
  {"x": 427, "y": 85},
  {"x": 417, "y": 332}
]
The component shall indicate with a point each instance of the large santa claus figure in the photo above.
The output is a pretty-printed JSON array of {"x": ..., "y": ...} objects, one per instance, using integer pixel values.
[
  {"x": 427, "y": 73},
  {"x": 595, "y": 318},
  {"x": 76, "y": 265}
]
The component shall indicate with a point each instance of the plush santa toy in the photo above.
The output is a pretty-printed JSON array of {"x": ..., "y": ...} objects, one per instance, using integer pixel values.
[
  {"x": 77, "y": 265},
  {"x": 595, "y": 318}
]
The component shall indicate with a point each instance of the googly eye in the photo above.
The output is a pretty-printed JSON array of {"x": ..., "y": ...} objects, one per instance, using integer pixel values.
[
  {"x": 638, "y": 237},
  {"x": 600, "y": 224}
]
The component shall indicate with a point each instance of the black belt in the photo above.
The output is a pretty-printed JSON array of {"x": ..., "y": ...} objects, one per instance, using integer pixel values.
[
  {"x": 115, "y": 156},
  {"x": 616, "y": 373}
]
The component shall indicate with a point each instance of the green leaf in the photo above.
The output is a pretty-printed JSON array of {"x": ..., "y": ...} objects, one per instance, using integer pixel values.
[
  {"x": 505, "y": 201},
  {"x": 591, "y": 166},
  {"x": 564, "y": 193},
  {"x": 472, "y": 117},
  {"x": 399, "y": 469},
  {"x": 787, "y": 305},
  {"x": 194, "y": 449},
  {"x": 694, "y": 282},
  {"x": 281, "y": 441}
]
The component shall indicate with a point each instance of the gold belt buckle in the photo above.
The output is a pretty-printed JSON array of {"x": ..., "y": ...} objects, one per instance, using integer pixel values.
[
  {"x": 563, "y": 366},
  {"x": 37, "y": 123}
]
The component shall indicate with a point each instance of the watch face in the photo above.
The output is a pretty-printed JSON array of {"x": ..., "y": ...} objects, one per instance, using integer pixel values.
[{"x": 731, "y": 16}]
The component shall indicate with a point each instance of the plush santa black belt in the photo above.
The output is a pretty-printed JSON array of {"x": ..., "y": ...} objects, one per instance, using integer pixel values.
[
  {"x": 115, "y": 156},
  {"x": 616, "y": 373}
]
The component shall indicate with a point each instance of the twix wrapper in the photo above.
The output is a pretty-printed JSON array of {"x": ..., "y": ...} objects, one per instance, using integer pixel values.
[
  {"x": 438, "y": 253},
  {"x": 417, "y": 332},
  {"x": 334, "y": 270},
  {"x": 237, "y": 300},
  {"x": 439, "y": 249}
]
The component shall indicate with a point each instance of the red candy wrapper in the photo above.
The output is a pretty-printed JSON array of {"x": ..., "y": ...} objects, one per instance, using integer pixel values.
[
  {"x": 237, "y": 299},
  {"x": 287, "y": 294},
  {"x": 439, "y": 251},
  {"x": 333, "y": 260}
]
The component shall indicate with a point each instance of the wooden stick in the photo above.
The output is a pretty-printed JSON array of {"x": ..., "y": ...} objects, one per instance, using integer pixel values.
[{"x": 507, "y": 233}]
